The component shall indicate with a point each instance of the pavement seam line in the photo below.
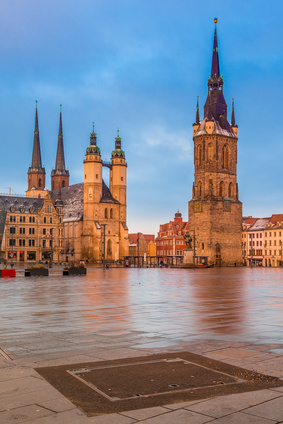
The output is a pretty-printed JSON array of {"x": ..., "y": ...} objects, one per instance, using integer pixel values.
[{"x": 5, "y": 355}]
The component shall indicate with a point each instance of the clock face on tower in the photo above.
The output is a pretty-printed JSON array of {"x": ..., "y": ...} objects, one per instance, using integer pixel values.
[{"x": 197, "y": 206}]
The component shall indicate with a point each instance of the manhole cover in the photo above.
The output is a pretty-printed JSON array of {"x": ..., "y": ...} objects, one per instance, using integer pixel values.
[{"x": 133, "y": 383}]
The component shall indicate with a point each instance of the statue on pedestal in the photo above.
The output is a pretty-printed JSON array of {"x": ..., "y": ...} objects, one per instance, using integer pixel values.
[{"x": 188, "y": 240}]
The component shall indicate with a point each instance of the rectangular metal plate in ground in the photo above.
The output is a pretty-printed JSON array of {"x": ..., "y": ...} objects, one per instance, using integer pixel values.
[{"x": 134, "y": 383}]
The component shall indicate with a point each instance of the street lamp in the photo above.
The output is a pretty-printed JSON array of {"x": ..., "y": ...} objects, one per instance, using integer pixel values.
[
  {"x": 252, "y": 259},
  {"x": 103, "y": 225}
]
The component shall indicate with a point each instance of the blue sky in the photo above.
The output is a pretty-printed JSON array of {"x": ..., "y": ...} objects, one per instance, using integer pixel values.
[{"x": 139, "y": 65}]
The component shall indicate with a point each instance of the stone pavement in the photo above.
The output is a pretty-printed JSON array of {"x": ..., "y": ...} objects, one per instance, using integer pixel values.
[{"x": 25, "y": 397}]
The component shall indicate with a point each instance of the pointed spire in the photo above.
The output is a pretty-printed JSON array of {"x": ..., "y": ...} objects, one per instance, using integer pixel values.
[
  {"x": 93, "y": 136},
  {"x": 233, "y": 114},
  {"x": 197, "y": 114},
  {"x": 215, "y": 70},
  {"x": 60, "y": 157},
  {"x": 36, "y": 154}
]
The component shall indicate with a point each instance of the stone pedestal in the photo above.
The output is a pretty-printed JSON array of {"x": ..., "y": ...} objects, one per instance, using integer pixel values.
[{"x": 188, "y": 257}]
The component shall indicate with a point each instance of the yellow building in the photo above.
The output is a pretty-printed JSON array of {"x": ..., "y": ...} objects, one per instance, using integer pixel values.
[
  {"x": 31, "y": 229},
  {"x": 85, "y": 221}
]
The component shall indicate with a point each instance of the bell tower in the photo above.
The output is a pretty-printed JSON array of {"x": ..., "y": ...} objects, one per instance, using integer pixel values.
[
  {"x": 118, "y": 177},
  {"x": 92, "y": 196},
  {"x": 215, "y": 212}
]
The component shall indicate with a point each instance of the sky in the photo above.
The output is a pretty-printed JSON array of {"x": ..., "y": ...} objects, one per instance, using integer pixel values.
[{"x": 139, "y": 65}]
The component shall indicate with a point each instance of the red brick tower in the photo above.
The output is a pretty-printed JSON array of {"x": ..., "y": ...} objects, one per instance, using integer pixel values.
[{"x": 215, "y": 212}]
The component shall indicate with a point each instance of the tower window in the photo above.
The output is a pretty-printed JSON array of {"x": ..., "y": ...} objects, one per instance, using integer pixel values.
[
  {"x": 106, "y": 213},
  {"x": 63, "y": 183},
  {"x": 122, "y": 178},
  {"x": 111, "y": 213},
  {"x": 97, "y": 176},
  {"x": 39, "y": 182}
]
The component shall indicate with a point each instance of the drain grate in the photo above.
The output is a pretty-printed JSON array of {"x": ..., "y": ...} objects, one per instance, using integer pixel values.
[{"x": 134, "y": 383}]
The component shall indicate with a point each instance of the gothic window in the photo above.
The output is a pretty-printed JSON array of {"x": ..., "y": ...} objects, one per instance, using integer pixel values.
[
  {"x": 39, "y": 182},
  {"x": 226, "y": 157},
  {"x": 199, "y": 189},
  {"x": 106, "y": 213},
  {"x": 109, "y": 248},
  {"x": 199, "y": 155},
  {"x": 210, "y": 188},
  {"x": 221, "y": 189},
  {"x": 231, "y": 191},
  {"x": 111, "y": 213},
  {"x": 63, "y": 183},
  {"x": 210, "y": 152}
]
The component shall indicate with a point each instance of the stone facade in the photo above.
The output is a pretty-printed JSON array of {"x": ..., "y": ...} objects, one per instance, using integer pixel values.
[{"x": 215, "y": 212}]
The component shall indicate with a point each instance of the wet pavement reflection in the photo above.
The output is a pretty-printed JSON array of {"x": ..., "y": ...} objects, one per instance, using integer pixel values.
[{"x": 227, "y": 304}]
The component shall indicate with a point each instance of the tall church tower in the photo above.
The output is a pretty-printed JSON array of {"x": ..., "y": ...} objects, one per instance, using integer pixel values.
[
  {"x": 60, "y": 175},
  {"x": 36, "y": 172},
  {"x": 118, "y": 177},
  {"x": 215, "y": 213},
  {"x": 92, "y": 197}
]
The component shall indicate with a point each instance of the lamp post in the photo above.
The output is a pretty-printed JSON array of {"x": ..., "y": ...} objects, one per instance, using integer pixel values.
[
  {"x": 138, "y": 246},
  {"x": 103, "y": 225},
  {"x": 51, "y": 252},
  {"x": 252, "y": 259},
  {"x": 281, "y": 252}
]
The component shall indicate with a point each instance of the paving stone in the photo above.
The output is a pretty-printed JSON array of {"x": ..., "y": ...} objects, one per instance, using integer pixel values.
[
  {"x": 28, "y": 398},
  {"x": 225, "y": 405},
  {"x": 24, "y": 414},
  {"x": 242, "y": 418},
  {"x": 180, "y": 416},
  {"x": 142, "y": 414},
  {"x": 21, "y": 385},
  {"x": 272, "y": 410}
]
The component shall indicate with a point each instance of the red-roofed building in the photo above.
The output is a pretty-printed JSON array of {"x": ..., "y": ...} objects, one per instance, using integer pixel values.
[
  {"x": 170, "y": 241},
  {"x": 142, "y": 245}
]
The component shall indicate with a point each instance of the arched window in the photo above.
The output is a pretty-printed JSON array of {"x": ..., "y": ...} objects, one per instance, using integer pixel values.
[
  {"x": 39, "y": 182},
  {"x": 199, "y": 155},
  {"x": 106, "y": 213},
  {"x": 111, "y": 213},
  {"x": 63, "y": 183},
  {"x": 221, "y": 189},
  {"x": 226, "y": 157},
  {"x": 199, "y": 189},
  {"x": 109, "y": 249},
  {"x": 210, "y": 188},
  {"x": 210, "y": 152},
  {"x": 231, "y": 191}
]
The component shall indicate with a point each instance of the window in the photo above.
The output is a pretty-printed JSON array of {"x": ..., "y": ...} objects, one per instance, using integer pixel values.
[
  {"x": 12, "y": 242},
  {"x": 43, "y": 243},
  {"x": 51, "y": 220},
  {"x": 50, "y": 243},
  {"x": 44, "y": 231},
  {"x": 51, "y": 231},
  {"x": 106, "y": 213},
  {"x": 111, "y": 213},
  {"x": 22, "y": 219},
  {"x": 44, "y": 220},
  {"x": 274, "y": 233},
  {"x": 12, "y": 230},
  {"x": 274, "y": 242},
  {"x": 12, "y": 218},
  {"x": 31, "y": 219},
  {"x": 31, "y": 230}
]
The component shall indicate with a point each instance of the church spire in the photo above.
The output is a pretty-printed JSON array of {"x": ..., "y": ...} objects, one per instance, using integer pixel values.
[
  {"x": 36, "y": 154},
  {"x": 60, "y": 175},
  {"x": 215, "y": 69},
  {"x": 36, "y": 173},
  {"x": 197, "y": 113},
  {"x": 215, "y": 105},
  {"x": 233, "y": 114},
  {"x": 60, "y": 157}
]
